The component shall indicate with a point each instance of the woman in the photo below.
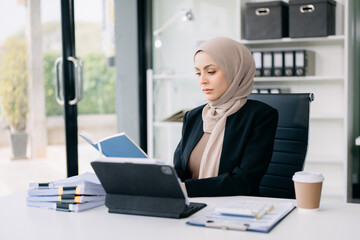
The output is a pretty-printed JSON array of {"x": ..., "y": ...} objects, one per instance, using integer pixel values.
[{"x": 227, "y": 144}]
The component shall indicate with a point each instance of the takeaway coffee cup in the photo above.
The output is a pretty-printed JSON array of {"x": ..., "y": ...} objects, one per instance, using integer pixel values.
[{"x": 308, "y": 190}]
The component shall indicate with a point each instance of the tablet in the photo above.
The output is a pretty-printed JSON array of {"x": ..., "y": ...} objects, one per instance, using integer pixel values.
[{"x": 144, "y": 189}]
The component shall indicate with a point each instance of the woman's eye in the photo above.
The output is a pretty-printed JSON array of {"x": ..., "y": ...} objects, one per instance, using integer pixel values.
[
  {"x": 197, "y": 74},
  {"x": 211, "y": 72}
]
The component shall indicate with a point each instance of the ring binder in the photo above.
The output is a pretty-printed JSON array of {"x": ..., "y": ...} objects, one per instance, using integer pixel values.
[
  {"x": 289, "y": 62},
  {"x": 267, "y": 64}
]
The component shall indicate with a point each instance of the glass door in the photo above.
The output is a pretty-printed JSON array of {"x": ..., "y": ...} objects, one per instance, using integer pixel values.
[
  {"x": 36, "y": 38},
  {"x": 95, "y": 46},
  {"x": 32, "y": 135}
]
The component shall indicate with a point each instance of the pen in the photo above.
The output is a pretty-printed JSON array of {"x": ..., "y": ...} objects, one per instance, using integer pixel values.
[
  {"x": 265, "y": 210},
  {"x": 242, "y": 227}
]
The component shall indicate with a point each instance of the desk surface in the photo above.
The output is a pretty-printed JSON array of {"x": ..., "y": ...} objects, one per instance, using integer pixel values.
[{"x": 332, "y": 221}]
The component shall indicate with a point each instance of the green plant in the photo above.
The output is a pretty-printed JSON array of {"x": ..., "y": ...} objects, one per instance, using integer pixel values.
[
  {"x": 52, "y": 107},
  {"x": 13, "y": 83}
]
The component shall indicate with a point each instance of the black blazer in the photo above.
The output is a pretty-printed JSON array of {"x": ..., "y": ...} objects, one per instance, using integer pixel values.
[{"x": 246, "y": 153}]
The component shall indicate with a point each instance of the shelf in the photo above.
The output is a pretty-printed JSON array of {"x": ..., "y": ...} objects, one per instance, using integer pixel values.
[
  {"x": 332, "y": 82},
  {"x": 300, "y": 78},
  {"x": 312, "y": 117},
  {"x": 326, "y": 116},
  {"x": 332, "y": 192},
  {"x": 257, "y": 79},
  {"x": 167, "y": 124},
  {"x": 329, "y": 39},
  {"x": 173, "y": 76},
  {"x": 325, "y": 159}
]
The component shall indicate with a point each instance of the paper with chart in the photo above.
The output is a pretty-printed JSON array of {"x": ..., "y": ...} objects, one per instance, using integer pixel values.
[{"x": 264, "y": 224}]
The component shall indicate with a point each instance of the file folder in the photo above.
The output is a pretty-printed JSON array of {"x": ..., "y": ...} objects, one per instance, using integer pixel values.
[
  {"x": 289, "y": 63},
  {"x": 258, "y": 57},
  {"x": 278, "y": 63},
  {"x": 304, "y": 63},
  {"x": 267, "y": 64}
]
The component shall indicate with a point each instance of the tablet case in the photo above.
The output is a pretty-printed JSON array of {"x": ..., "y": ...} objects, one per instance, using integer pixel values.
[{"x": 143, "y": 189}]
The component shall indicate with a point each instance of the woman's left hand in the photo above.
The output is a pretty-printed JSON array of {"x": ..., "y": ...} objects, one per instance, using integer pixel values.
[{"x": 184, "y": 187}]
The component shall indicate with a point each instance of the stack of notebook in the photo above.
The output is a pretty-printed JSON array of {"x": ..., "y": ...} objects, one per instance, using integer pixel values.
[{"x": 72, "y": 194}]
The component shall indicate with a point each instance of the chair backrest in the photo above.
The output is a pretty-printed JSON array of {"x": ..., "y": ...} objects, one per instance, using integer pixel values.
[{"x": 291, "y": 141}]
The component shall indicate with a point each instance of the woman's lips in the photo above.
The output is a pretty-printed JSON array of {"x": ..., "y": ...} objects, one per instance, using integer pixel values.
[{"x": 207, "y": 90}]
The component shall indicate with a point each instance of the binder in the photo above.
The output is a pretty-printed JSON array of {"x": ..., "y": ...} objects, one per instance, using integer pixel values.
[
  {"x": 144, "y": 189},
  {"x": 304, "y": 63},
  {"x": 258, "y": 57},
  {"x": 289, "y": 63},
  {"x": 279, "y": 63},
  {"x": 267, "y": 64}
]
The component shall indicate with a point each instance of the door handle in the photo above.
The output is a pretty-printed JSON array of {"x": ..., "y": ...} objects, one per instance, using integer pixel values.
[
  {"x": 78, "y": 69},
  {"x": 58, "y": 81},
  {"x": 79, "y": 80}
]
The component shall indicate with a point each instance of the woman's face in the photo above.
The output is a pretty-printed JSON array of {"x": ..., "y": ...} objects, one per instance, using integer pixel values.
[{"x": 211, "y": 79}]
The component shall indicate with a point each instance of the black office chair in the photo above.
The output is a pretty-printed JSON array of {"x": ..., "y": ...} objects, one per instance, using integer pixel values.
[{"x": 291, "y": 141}]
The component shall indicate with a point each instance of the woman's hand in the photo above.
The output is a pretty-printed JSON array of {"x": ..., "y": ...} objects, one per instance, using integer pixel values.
[{"x": 184, "y": 187}]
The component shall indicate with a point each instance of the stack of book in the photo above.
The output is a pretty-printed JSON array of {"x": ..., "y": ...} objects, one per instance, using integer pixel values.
[{"x": 72, "y": 194}]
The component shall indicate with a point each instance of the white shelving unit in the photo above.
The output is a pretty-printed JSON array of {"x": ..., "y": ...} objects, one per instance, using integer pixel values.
[
  {"x": 330, "y": 140},
  {"x": 171, "y": 130},
  {"x": 330, "y": 134}
]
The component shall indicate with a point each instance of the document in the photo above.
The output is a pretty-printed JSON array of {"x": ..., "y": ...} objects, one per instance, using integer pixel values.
[
  {"x": 82, "y": 189},
  {"x": 65, "y": 198},
  {"x": 119, "y": 146},
  {"x": 176, "y": 117},
  {"x": 244, "y": 208},
  {"x": 88, "y": 179},
  {"x": 78, "y": 193},
  {"x": 67, "y": 207},
  {"x": 264, "y": 224}
]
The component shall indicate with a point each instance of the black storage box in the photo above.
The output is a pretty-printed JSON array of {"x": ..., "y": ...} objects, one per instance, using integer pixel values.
[
  {"x": 266, "y": 20},
  {"x": 311, "y": 18}
]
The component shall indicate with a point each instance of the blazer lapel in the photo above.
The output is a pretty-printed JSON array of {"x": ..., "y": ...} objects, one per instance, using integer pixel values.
[{"x": 196, "y": 134}]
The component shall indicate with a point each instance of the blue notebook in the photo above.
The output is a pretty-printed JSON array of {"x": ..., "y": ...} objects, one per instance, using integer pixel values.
[{"x": 117, "y": 146}]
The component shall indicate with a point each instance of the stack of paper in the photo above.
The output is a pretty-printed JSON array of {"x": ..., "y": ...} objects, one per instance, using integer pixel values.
[{"x": 72, "y": 194}]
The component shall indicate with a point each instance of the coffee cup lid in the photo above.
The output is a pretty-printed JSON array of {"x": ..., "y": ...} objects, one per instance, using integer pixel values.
[{"x": 308, "y": 177}]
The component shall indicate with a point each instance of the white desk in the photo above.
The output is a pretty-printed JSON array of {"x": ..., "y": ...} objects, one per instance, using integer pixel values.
[{"x": 333, "y": 221}]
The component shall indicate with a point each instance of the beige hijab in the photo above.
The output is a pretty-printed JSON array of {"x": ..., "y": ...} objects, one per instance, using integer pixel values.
[{"x": 238, "y": 66}]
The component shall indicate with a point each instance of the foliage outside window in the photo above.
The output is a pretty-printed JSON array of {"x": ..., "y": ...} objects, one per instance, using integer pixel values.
[
  {"x": 99, "y": 79},
  {"x": 99, "y": 85},
  {"x": 13, "y": 83}
]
